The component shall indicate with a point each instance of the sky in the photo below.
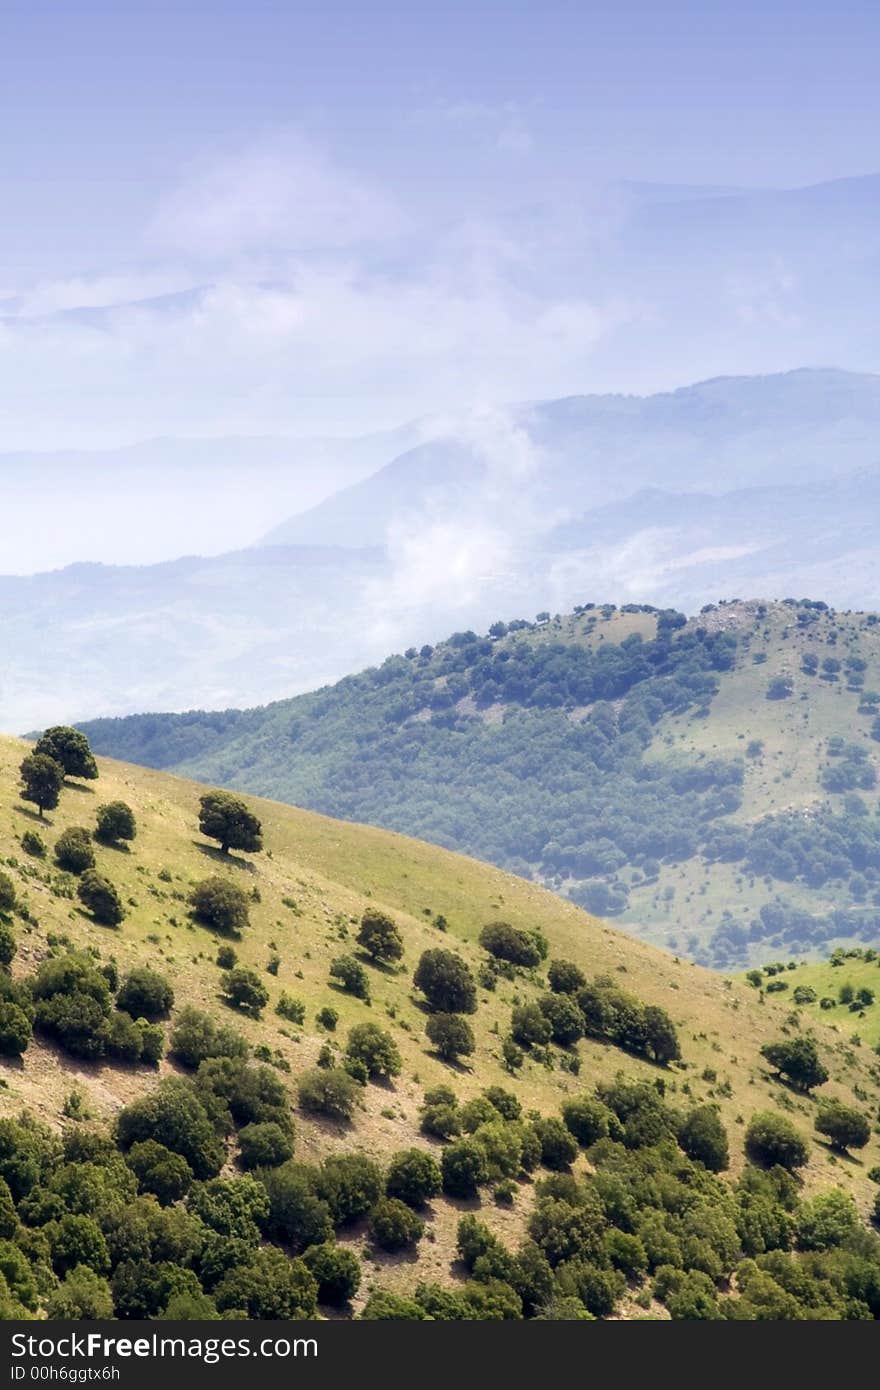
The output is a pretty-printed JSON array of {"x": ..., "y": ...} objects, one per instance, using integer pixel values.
[{"x": 332, "y": 218}]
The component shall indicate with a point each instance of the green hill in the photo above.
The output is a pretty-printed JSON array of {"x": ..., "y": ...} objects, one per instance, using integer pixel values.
[
  {"x": 306, "y": 893},
  {"x": 711, "y": 784}
]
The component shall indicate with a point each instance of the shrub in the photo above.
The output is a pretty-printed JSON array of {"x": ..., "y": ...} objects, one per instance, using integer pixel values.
[
  {"x": 413, "y": 1177},
  {"x": 7, "y": 894},
  {"x": 379, "y": 937},
  {"x": 124, "y": 1040},
  {"x": 394, "y": 1226},
  {"x": 70, "y": 749},
  {"x": 77, "y": 1240},
  {"x": 352, "y": 977},
  {"x": 446, "y": 982},
  {"x": 440, "y": 1120},
  {"x": 226, "y": 818},
  {"x": 174, "y": 1115},
  {"x": 271, "y": 1287},
  {"x": 505, "y": 1102},
  {"x": 98, "y": 895},
  {"x": 463, "y": 1168},
  {"x": 15, "y": 1029},
  {"x": 827, "y": 1220},
  {"x": 196, "y": 1036},
  {"x": 505, "y": 942},
  {"x": 297, "y": 1217},
  {"x": 530, "y": 1026},
  {"x": 846, "y": 1127},
  {"x": 263, "y": 1145},
  {"x": 772, "y": 1139},
  {"x": 77, "y": 1022},
  {"x": 703, "y": 1138},
  {"x": 82, "y": 1296},
  {"x": 115, "y": 821},
  {"x": 372, "y": 1045},
  {"x": 351, "y": 1185},
  {"x": 328, "y": 1091},
  {"x": 8, "y": 945},
  {"x": 451, "y": 1035},
  {"x": 558, "y": 1146},
  {"x": 220, "y": 904},
  {"x": 565, "y": 1018},
  {"x": 337, "y": 1273},
  {"x": 294, "y": 1010},
  {"x": 226, "y": 957},
  {"x": 165, "y": 1174},
  {"x": 564, "y": 977},
  {"x": 798, "y": 1061},
  {"x": 586, "y": 1119},
  {"x": 33, "y": 844},
  {"x": 385, "y": 1306},
  {"x": 145, "y": 994},
  {"x": 73, "y": 850},
  {"x": 327, "y": 1018},
  {"x": 244, "y": 990}
]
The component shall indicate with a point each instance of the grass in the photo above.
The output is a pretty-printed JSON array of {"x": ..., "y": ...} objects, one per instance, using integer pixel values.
[{"x": 311, "y": 885}]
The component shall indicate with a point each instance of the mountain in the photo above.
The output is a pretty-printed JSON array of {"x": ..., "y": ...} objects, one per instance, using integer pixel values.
[
  {"x": 70, "y": 1196},
  {"x": 763, "y": 485},
  {"x": 711, "y": 783}
]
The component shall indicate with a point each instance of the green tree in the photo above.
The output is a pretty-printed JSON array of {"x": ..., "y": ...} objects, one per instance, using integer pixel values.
[
  {"x": 586, "y": 1118},
  {"x": 196, "y": 1036},
  {"x": 328, "y": 1091},
  {"x": 98, "y": 895},
  {"x": 263, "y": 1145},
  {"x": 352, "y": 977},
  {"x": 41, "y": 781},
  {"x": 82, "y": 1296},
  {"x": 73, "y": 850},
  {"x": 798, "y": 1061},
  {"x": 772, "y": 1139},
  {"x": 174, "y": 1115},
  {"x": 145, "y": 993},
  {"x": 414, "y": 1177},
  {"x": 508, "y": 943},
  {"x": 372, "y": 1045},
  {"x": 271, "y": 1287},
  {"x": 564, "y": 977},
  {"x": 394, "y": 1225},
  {"x": 446, "y": 982},
  {"x": 703, "y": 1138},
  {"x": 451, "y": 1035},
  {"x": 7, "y": 895},
  {"x": 70, "y": 749},
  {"x": 166, "y": 1175},
  {"x": 244, "y": 990},
  {"x": 336, "y": 1271},
  {"x": 220, "y": 904},
  {"x": 226, "y": 818},
  {"x": 844, "y": 1125},
  {"x": 380, "y": 937},
  {"x": 114, "y": 821},
  {"x": 463, "y": 1167}
]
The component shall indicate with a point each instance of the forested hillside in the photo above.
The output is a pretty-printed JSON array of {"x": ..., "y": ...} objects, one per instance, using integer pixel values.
[
  {"x": 257, "y": 1063},
  {"x": 711, "y": 784}
]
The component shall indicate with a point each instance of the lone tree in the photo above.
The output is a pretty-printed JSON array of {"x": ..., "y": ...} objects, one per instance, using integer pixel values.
[
  {"x": 843, "y": 1125},
  {"x": 115, "y": 822},
  {"x": 451, "y": 1035},
  {"x": 380, "y": 937},
  {"x": 771, "y": 1139},
  {"x": 220, "y": 904},
  {"x": 71, "y": 749},
  {"x": 42, "y": 778},
  {"x": 225, "y": 817},
  {"x": 797, "y": 1061},
  {"x": 446, "y": 982},
  {"x": 73, "y": 850}
]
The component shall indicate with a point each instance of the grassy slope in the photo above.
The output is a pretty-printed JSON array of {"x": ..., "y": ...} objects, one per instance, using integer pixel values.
[{"x": 332, "y": 870}]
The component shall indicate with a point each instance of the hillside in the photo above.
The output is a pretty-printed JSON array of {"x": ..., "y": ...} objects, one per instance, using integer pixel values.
[
  {"x": 307, "y": 892},
  {"x": 711, "y": 784}
]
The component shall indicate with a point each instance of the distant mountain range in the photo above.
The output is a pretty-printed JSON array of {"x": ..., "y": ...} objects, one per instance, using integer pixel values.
[{"x": 742, "y": 486}]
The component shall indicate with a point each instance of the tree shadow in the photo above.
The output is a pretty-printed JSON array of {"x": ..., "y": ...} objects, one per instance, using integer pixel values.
[
  {"x": 118, "y": 845},
  {"x": 843, "y": 1155},
  {"x": 33, "y": 815},
  {"x": 79, "y": 787},
  {"x": 214, "y": 852}
]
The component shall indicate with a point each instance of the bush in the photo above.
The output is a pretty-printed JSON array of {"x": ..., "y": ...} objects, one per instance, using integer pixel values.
[
  {"x": 827, "y": 1220},
  {"x": 846, "y": 1127},
  {"x": 165, "y": 1174},
  {"x": 15, "y": 1029},
  {"x": 413, "y": 1177},
  {"x": 327, "y": 1018},
  {"x": 394, "y": 1226},
  {"x": 385, "y": 1306},
  {"x": 328, "y": 1091},
  {"x": 798, "y": 1061},
  {"x": 220, "y": 904},
  {"x": 77, "y": 1022},
  {"x": 271, "y": 1287},
  {"x": 33, "y": 844},
  {"x": 351, "y": 1185},
  {"x": 451, "y": 1035},
  {"x": 115, "y": 821},
  {"x": 226, "y": 957},
  {"x": 196, "y": 1036},
  {"x": 530, "y": 1026},
  {"x": 294, "y": 1010},
  {"x": 98, "y": 895},
  {"x": 337, "y": 1273},
  {"x": 8, "y": 945},
  {"x": 226, "y": 818},
  {"x": 703, "y": 1138},
  {"x": 73, "y": 850},
  {"x": 263, "y": 1145},
  {"x": 463, "y": 1168},
  {"x": 446, "y": 982},
  {"x": 586, "y": 1119},
  {"x": 772, "y": 1139},
  {"x": 564, "y": 977},
  {"x": 379, "y": 937},
  {"x": 372, "y": 1045},
  {"x": 244, "y": 990},
  {"x": 174, "y": 1115},
  {"x": 298, "y": 1217},
  {"x": 7, "y": 895},
  {"x": 77, "y": 1240},
  {"x": 145, "y": 994},
  {"x": 82, "y": 1296},
  {"x": 505, "y": 942},
  {"x": 558, "y": 1146},
  {"x": 124, "y": 1040},
  {"x": 565, "y": 1018},
  {"x": 352, "y": 977}
]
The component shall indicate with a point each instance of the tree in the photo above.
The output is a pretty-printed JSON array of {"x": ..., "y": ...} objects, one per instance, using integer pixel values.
[
  {"x": 565, "y": 1018},
  {"x": 827, "y": 1220},
  {"x": 413, "y": 1177},
  {"x": 98, "y": 895},
  {"x": 558, "y": 1146},
  {"x": 174, "y": 1115},
  {"x": 530, "y": 1026},
  {"x": 8, "y": 945},
  {"x": 703, "y": 1138},
  {"x": 328, "y": 1091},
  {"x": 446, "y": 982},
  {"x": 394, "y": 1225},
  {"x": 385, "y": 1306},
  {"x": 586, "y": 1119},
  {"x": 351, "y": 1185},
  {"x": 226, "y": 818},
  {"x": 243, "y": 989},
  {"x": 772, "y": 1139},
  {"x": 165, "y": 1174},
  {"x": 844, "y": 1125},
  {"x": 505, "y": 942},
  {"x": 77, "y": 1240},
  {"x": 336, "y": 1271},
  {"x": 7, "y": 895},
  {"x": 372, "y": 1045},
  {"x": 15, "y": 1029},
  {"x": 380, "y": 937},
  {"x": 352, "y": 977},
  {"x": 41, "y": 781},
  {"x": 263, "y": 1145},
  {"x": 145, "y": 994},
  {"x": 463, "y": 1167},
  {"x": 73, "y": 850},
  {"x": 564, "y": 977},
  {"x": 220, "y": 904},
  {"x": 196, "y": 1036},
  {"x": 660, "y": 1036},
  {"x": 81, "y": 1296},
  {"x": 114, "y": 822},
  {"x": 70, "y": 749},
  {"x": 298, "y": 1216},
  {"x": 451, "y": 1035},
  {"x": 271, "y": 1287},
  {"x": 798, "y": 1060}
]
